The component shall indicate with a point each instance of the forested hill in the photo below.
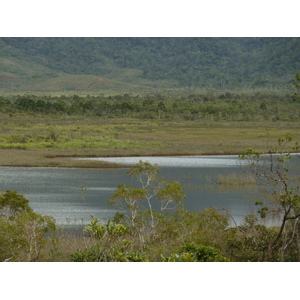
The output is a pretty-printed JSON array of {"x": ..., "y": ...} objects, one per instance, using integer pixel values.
[{"x": 147, "y": 64}]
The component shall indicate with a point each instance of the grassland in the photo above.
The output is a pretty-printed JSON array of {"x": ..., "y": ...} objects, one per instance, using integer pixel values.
[{"x": 41, "y": 140}]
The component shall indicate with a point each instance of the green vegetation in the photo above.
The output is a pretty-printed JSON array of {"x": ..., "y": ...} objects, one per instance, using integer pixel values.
[
  {"x": 22, "y": 230},
  {"x": 51, "y": 128},
  {"x": 146, "y": 65},
  {"x": 219, "y": 106}
]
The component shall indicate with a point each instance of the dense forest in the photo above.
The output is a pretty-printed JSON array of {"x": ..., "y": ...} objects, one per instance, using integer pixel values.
[{"x": 156, "y": 63}]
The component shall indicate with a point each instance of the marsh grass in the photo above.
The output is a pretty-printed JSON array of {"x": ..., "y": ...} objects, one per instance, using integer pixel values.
[
  {"x": 224, "y": 182},
  {"x": 26, "y": 139},
  {"x": 75, "y": 142},
  {"x": 235, "y": 180}
]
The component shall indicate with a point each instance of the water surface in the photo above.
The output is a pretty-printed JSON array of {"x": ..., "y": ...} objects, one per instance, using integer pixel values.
[{"x": 71, "y": 195}]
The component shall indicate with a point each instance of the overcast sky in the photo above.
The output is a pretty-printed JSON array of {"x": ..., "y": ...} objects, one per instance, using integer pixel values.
[{"x": 149, "y": 18}]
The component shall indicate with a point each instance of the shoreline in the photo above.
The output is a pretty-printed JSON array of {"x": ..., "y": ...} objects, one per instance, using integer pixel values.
[{"x": 65, "y": 161}]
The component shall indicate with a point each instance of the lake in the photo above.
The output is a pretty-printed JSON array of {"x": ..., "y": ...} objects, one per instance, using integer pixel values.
[{"x": 71, "y": 195}]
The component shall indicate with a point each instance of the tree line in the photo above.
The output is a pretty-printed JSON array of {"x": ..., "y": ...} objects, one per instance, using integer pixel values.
[{"x": 214, "y": 107}]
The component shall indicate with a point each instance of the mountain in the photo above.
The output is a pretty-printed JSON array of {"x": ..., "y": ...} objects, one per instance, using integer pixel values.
[{"x": 150, "y": 65}]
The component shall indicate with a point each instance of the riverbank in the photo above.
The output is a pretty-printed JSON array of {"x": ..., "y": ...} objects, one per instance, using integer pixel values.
[
  {"x": 57, "y": 158},
  {"x": 32, "y": 158}
]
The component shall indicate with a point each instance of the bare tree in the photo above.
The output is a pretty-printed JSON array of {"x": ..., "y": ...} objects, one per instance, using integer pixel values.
[
  {"x": 152, "y": 189},
  {"x": 272, "y": 169}
]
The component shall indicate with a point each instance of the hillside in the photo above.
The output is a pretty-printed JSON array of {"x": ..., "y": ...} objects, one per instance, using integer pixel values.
[{"x": 146, "y": 65}]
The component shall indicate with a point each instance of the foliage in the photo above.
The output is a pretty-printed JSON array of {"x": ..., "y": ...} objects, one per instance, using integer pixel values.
[
  {"x": 108, "y": 244},
  {"x": 12, "y": 204},
  {"x": 250, "y": 241},
  {"x": 99, "y": 231},
  {"x": 174, "y": 239},
  {"x": 22, "y": 230},
  {"x": 205, "y": 227},
  {"x": 193, "y": 253},
  {"x": 97, "y": 254}
]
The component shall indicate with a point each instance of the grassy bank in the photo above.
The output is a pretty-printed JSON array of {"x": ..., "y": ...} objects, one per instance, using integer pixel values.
[{"x": 41, "y": 140}]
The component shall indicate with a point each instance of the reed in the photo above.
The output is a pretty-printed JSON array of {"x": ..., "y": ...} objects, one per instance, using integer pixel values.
[{"x": 236, "y": 180}]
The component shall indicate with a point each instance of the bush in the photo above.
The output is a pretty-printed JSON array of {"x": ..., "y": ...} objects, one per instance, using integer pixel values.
[
  {"x": 96, "y": 253},
  {"x": 21, "y": 230},
  {"x": 193, "y": 253}
]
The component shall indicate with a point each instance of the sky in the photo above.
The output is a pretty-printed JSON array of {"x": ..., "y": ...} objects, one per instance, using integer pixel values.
[{"x": 159, "y": 18}]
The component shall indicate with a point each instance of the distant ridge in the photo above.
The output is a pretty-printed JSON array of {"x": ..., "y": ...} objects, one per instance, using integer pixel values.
[{"x": 154, "y": 65}]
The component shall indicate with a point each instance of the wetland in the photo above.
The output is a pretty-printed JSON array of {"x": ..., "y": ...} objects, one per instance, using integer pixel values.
[{"x": 68, "y": 156}]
